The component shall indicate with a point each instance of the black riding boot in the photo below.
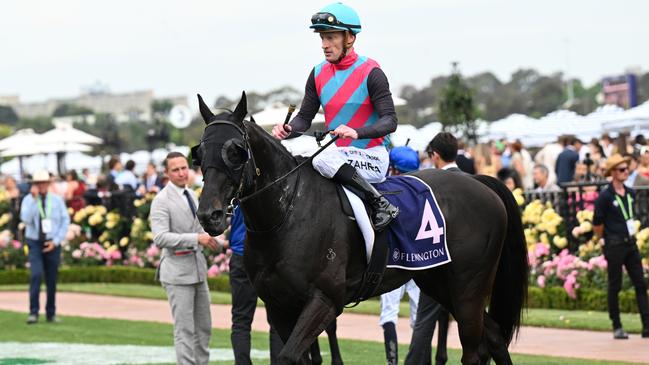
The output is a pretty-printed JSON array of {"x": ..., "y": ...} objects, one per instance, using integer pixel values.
[{"x": 382, "y": 211}]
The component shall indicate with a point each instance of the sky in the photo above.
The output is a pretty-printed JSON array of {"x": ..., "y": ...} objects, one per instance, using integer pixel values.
[{"x": 52, "y": 49}]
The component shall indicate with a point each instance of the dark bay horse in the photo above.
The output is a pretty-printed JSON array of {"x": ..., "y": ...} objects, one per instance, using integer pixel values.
[{"x": 306, "y": 259}]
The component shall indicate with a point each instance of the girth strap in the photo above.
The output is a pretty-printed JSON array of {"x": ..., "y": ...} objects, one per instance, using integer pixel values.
[{"x": 375, "y": 269}]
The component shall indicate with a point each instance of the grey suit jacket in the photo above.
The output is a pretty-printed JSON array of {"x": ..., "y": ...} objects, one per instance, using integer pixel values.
[{"x": 176, "y": 229}]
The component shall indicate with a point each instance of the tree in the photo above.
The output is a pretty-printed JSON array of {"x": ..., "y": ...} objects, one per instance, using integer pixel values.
[
  {"x": 8, "y": 115},
  {"x": 65, "y": 110},
  {"x": 5, "y": 131},
  {"x": 456, "y": 111},
  {"x": 162, "y": 107},
  {"x": 38, "y": 124}
]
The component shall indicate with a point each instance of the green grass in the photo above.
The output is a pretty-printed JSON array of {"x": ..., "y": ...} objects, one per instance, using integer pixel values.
[
  {"x": 553, "y": 318},
  {"x": 579, "y": 319},
  {"x": 106, "y": 331}
]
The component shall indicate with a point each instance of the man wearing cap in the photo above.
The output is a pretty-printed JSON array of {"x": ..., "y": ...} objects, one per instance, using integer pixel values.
[
  {"x": 355, "y": 96},
  {"x": 183, "y": 269},
  {"x": 614, "y": 221},
  {"x": 46, "y": 222}
]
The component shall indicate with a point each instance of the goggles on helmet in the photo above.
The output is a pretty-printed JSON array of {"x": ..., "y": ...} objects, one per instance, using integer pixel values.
[{"x": 328, "y": 19}]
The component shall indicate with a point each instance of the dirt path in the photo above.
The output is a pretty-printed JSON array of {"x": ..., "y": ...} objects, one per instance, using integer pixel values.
[{"x": 532, "y": 340}]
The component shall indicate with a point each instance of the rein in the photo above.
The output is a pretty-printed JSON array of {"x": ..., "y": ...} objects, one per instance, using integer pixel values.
[
  {"x": 309, "y": 159},
  {"x": 257, "y": 172}
]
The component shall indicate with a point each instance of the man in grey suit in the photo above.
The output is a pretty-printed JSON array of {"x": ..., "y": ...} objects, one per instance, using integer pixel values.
[{"x": 183, "y": 270}]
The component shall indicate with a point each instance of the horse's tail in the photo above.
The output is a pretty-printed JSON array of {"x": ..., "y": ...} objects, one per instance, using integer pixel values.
[{"x": 509, "y": 294}]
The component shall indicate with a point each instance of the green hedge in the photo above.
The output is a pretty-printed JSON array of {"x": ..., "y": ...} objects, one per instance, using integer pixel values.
[
  {"x": 104, "y": 274},
  {"x": 587, "y": 299}
]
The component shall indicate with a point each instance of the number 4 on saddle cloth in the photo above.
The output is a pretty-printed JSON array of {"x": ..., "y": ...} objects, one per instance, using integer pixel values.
[{"x": 416, "y": 239}]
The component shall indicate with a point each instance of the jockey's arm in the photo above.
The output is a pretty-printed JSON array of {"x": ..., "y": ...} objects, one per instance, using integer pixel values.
[
  {"x": 308, "y": 109},
  {"x": 381, "y": 97}
]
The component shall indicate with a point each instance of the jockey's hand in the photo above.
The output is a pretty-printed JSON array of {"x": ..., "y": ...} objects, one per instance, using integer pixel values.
[
  {"x": 281, "y": 130},
  {"x": 343, "y": 131}
]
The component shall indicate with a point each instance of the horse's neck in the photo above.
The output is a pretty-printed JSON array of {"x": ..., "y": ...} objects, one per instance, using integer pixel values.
[
  {"x": 265, "y": 209},
  {"x": 272, "y": 159}
]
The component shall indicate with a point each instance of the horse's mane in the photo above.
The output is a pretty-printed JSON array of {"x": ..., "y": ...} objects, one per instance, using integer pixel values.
[{"x": 250, "y": 126}]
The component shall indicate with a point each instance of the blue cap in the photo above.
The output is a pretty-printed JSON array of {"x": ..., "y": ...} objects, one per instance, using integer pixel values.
[{"x": 404, "y": 159}]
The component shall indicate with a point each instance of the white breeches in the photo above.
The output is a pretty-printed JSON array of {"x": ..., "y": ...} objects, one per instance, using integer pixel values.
[{"x": 372, "y": 163}]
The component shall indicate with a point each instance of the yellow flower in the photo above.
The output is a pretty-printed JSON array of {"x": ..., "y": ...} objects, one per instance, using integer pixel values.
[
  {"x": 560, "y": 242},
  {"x": 148, "y": 236},
  {"x": 111, "y": 224},
  {"x": 101, "y": 210},
  {"x": 138, "y": 203},
  {"x": 123, "y": 242},
  {"x": 90, "y": 209},
  {"x": 79, "y": 216},
  {"x": 520, "y": 200},
  {"x": 95, "y": 219},
  {"x": 70, "y": 211},
  {"x": 26, "y": 249},
  {"x": 106, "y": 244},
  {"x": 586, "y": 227},
  {"x": 5, "y": 218},
  {"x": 104, "y": 236},
  {"x": 112, "y": 217},
  {"x": 544, "y": 238}
]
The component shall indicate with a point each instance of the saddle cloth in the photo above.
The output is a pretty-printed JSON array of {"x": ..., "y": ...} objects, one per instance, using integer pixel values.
[{"x": 417, "y": 237}]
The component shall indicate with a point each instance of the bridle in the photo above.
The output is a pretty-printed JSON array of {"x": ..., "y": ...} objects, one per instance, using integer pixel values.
[
  {"x": 231, "y": 166},
  {"x": 257, "y": 172}
]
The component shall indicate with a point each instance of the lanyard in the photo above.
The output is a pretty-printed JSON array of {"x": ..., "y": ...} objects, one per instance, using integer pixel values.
[
  {"x": 48, "y": 206},
  {"x": 629, "y": 200}
]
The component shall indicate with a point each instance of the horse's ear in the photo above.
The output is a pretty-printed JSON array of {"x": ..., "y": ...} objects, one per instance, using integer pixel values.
[
  {"x": 206, "y": 113},
  {"x": 241, "y": 110}
]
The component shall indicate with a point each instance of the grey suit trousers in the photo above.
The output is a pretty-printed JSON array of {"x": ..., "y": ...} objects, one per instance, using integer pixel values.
[{"x": 190, "y": 307}]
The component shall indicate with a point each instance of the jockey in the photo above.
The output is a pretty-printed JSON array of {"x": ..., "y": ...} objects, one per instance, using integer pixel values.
[{"x": 358, "y": 107}]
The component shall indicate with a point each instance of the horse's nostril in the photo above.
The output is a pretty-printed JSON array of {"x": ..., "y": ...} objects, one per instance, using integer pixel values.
[{"x": 216, "y": 215}]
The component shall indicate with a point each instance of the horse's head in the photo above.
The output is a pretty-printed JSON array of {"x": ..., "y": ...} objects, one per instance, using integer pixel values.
[{"x": 222, "y": 156}]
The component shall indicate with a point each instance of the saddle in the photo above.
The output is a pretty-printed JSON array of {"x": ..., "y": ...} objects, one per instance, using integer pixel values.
[
  {"x": 376, "y": 248},
  {"x": 415, "y": 240}
]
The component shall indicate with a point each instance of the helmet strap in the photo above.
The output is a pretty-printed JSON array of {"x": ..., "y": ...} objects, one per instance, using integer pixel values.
[{"x": 346, "y": 41}]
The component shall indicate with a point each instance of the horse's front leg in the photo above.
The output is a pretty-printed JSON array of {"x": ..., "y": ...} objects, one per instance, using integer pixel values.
[{"x": 316, "y": 315}]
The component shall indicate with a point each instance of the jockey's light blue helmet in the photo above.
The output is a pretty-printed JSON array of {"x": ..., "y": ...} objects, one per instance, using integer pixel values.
[
  {"x": 404, "y": 159},
  {"x": 334, "y": 17}
]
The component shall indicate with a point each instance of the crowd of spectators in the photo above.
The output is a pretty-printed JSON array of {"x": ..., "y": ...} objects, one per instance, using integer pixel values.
[
  {"x": 115, "y": 189},
  {"x": 567, "y": 160}
]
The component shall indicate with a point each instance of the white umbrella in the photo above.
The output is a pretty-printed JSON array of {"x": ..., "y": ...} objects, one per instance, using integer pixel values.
[
  {"x": 68, "y": 134},
  {"x": 19, "y": 138},
  {"x": 45, "y": 148},
  {"x": 277, "y": 114},
  {"x": 398, "y": 101}
]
